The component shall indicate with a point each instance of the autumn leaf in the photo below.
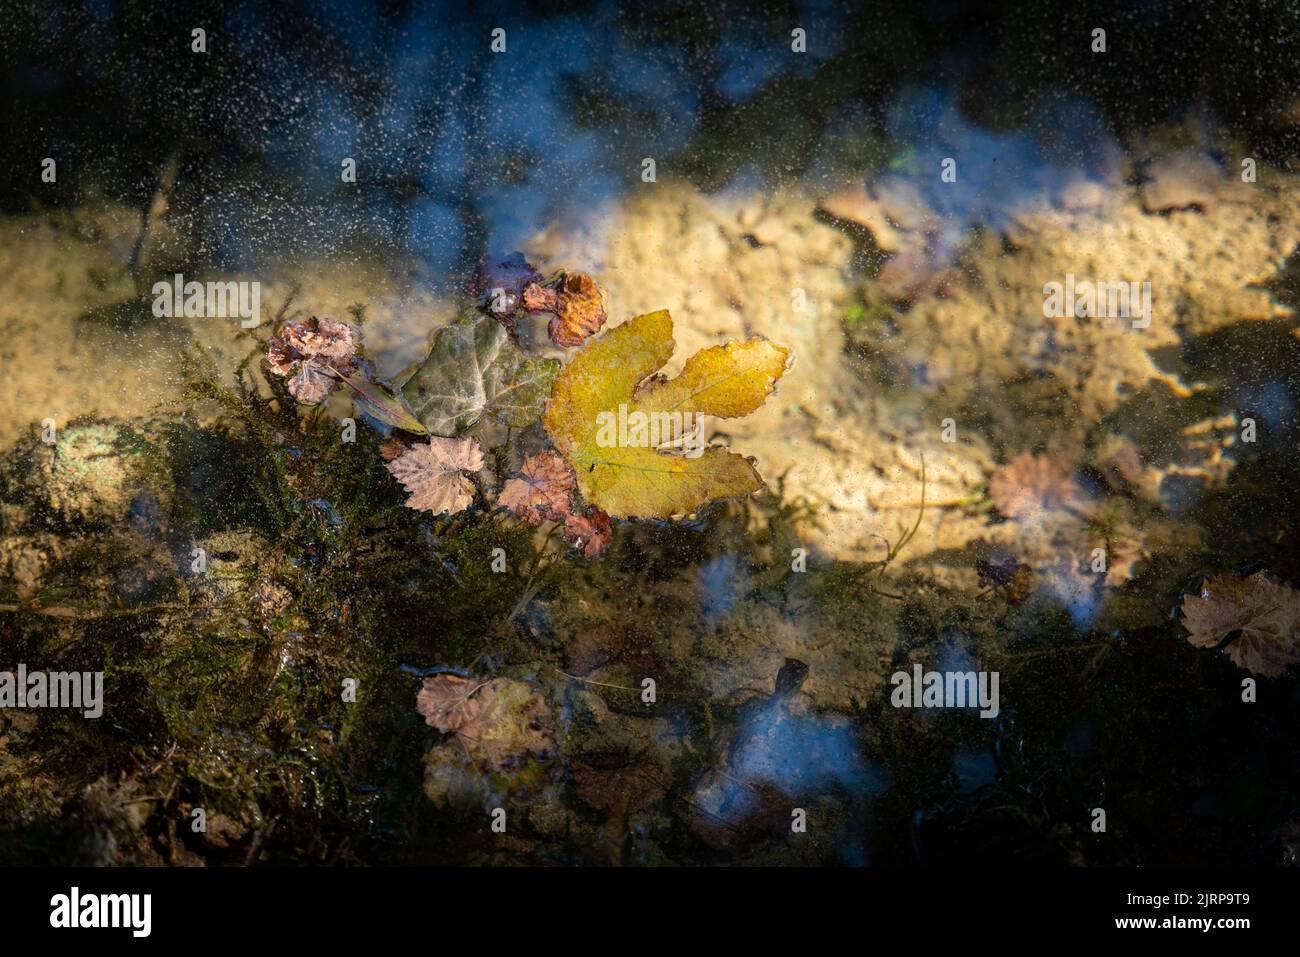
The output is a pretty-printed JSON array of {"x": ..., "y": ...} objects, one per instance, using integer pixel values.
[
  {"x": 394, "y": 446},
  {"x": 447, "y": 701},
  {"x": 321, "y": 338},
  {"x": 541, "y": 491},
  {"x": 313, "y": 353},
  {"x": 579, "y": 311},
  {"x": 432, "y": 472},
  {"x": 514, "y": 723},
  {"x": 1030, "y": 486},
  {"x": 475, "y": 370},
  {"x": 588, "y": 531},
  {"x": 539, "y": 298},
  {"x": 312, "y": 383},
  {"x": 506, "y": 744},
  {"x": 1256, "y": 615},
  {"x": 628, "y": 480},
  {"x": 576, "y": 304}
]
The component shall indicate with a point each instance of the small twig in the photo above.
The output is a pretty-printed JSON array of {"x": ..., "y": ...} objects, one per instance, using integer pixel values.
[
  {"x": 603, "y": 684},
  {"x": 962, "y": 502},
  {"x": 142, "y": 254}
]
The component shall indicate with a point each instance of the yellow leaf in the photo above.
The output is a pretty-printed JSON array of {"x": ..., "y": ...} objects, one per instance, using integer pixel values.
[{"x": 631, "y": 479}]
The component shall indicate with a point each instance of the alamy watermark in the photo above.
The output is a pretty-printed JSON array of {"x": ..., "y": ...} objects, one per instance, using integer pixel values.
[
  {"x": 652, "y": 430},
  {"x": 176, "y": 299},
  {"x": 83, "y": 690},
  {"x": 75, "y": 909},
  {"x": 946, "y": 689},
  {"x": 1100, "y": 300}
]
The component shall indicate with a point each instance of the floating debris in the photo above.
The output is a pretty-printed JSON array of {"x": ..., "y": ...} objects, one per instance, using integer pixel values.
[
  {"x": 432, "y": 472},
  {"x": 542, "y": 491},
  {"x": 589, "y": 531},
  {"x": 312, "y": 353},
  {"x": 1252, "y": 619},
  {"x": 579, "y": 311},
  {"x": 448, "y": 701}
]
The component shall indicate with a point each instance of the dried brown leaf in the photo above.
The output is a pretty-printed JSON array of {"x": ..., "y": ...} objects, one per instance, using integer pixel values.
[
  {"x": 580, "y": 313},
  {"x": 542, "y": 491},
  {"x": 321, "y": 339},
  {"x": 539, "y": 298},
  {"x": 514, "y": 726},
  {"x": 280, "y": 356},
  {"x": 1030, "y": 485},
  {"x": 395, "y": 446},
  {"x": 432, "y": 473},
  {"x": 311, "y": 351},
  {"x": 311, "y": 383},
  {"x": 447, "y": 702},
  {"x": 589, "y": 531},
  {"x": 1265, "y": 613}
]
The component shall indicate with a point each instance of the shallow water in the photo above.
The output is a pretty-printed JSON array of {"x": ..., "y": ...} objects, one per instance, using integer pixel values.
[{"x": 968, "y": 467}]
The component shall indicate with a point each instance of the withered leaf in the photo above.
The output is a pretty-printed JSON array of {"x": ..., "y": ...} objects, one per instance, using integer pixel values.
[
  {"x": 507, "y": 744},
  {"x": 542, "y": 491},
  {"x": 432, "y": 472},
  {"x": 1264, "y": 611},
  {"x": 447, "y": 701},
  {"x": 539, "y": 298},
  {"x": 589, "y": 531},
  {"x": 394, "y": 446},
  {"x": 579, "y": 313},
  {"x": 312, "y": 383},
  {"x": 1031, "y": 485},
  {"x": 322, "y": 338},
  {"x": 314, "y": 353}
]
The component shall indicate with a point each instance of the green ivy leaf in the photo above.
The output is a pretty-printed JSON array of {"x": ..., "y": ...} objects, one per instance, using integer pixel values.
[{"x": 475, "y": 370}]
